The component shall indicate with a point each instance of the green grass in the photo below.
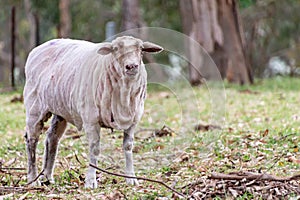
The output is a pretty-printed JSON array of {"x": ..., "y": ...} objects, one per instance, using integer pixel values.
[{"x": 261, "y": 133}]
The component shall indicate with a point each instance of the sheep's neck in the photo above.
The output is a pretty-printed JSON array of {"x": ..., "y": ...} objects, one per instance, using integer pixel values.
[{"x": 120, "y": 99}]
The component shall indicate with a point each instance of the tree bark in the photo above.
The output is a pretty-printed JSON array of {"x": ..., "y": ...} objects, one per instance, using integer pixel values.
[
  {"x": 130, "y": 16},
  {"x": 189, "y": 15},
  {"x": 131, "y": 21},
  {"x": 13, "y": 37},
  {"x": 33, "y": 24},
  {"x": 235, "y": 64},
  {"x": 65, "y": 25},
  {"x": 215, "y": 24}
]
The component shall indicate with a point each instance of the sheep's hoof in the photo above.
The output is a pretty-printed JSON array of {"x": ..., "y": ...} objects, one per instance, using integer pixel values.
[
  {"x": 46, "y": 181},
  {"x": 90, "y": 183},
  {"x": 36, "y": 183},
  {"x": 132, "y": 181}
]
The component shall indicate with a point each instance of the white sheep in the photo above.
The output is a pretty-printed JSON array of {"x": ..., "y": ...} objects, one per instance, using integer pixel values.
[{"x": 90, "y": 86}]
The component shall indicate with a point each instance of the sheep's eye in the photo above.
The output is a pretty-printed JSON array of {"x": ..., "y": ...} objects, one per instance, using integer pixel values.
[{"x": 115, "y": 48}]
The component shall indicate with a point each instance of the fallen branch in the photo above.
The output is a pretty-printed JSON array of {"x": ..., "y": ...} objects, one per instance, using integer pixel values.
[
  {"x": 252, "y": 176},
  {"x": 5, "y": 189},
  {"x": 138, "y": 178},
  {"x": 12, "y": 168}
]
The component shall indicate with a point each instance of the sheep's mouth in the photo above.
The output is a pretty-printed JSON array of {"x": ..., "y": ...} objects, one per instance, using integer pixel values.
[{"x": 131, "y": 72}]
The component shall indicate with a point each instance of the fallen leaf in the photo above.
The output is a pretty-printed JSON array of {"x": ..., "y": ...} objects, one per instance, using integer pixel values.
[
  {"x": 164, "y": 131},
  {"x": 17, "y": 99},
  {"x": 266, "y": 132},
  {"x": 234, "y": 193},
  {"x": 296, "y": 149},
  {"x": 159, "y": 147},
  {"x": 184, "y": 157},
  {"x": 54, "y": 196},
  {"x": 7, "y": 196},
  {"x": 10, "y": 162},
  {"x": 293, "y": 160},
  {"x": 116, "y": 195},
  {"x": 164, "y": 95},
  {"x": 247, "y": 91},
  {"x": 206, "y": 127},
  {"x": 23, "y": 196}
]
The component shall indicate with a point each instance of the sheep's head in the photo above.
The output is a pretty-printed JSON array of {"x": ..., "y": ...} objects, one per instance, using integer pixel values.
[{"x": 128, "y": 52}]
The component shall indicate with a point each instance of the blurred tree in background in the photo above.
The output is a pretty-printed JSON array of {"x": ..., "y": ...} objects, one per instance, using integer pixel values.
[
  {"x": 65, "y": 20},
  {"x": 271, "y": 27},
  {"x": 216, "y": 25}
]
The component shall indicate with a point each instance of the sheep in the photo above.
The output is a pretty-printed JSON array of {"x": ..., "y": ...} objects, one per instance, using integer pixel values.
[{"x": 90, "y": 85}]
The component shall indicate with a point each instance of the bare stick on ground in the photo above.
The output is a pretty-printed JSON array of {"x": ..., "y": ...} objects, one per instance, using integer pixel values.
[
  {"x": 36, "y": 178},
  {"x": 139, "y": 178}
]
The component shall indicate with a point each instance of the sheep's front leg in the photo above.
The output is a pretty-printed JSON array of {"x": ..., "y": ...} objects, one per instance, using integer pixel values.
[
  {"x": 93, "y": 137},
  {"x": 127, "y": 147}
]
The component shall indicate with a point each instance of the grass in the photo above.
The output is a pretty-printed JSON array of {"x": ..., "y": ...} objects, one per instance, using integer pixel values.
[{"x": 261, "y": 133}]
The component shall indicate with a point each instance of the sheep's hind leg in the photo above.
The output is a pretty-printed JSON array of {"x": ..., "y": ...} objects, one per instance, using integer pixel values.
[
  {"x": 128, "y": 146},
  {"x": 54, "y": 133},
  {"x": 34, "y": 126}
]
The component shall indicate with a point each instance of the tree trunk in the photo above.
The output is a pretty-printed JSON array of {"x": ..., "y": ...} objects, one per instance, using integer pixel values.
[
  {"x": 238, "y": 69},
  {"x": 65, "y": 24},
  {"x": 130, "y": 16},
  {"x": 189, "y": 21},
  {"x": 215, "y": 24},
  {"x": 131, "y": 21},
  {"x": 13, "y": 37},
  {"x": 33, "y": 24}
]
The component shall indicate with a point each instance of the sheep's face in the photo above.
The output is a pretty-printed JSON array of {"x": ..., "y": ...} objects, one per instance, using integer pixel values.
[{"x": 128, "y": 51}]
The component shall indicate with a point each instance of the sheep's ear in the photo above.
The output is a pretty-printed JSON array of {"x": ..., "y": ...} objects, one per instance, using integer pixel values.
[
  {"x": 106, "y": 48},
  {"x": 151, "y": 48}
]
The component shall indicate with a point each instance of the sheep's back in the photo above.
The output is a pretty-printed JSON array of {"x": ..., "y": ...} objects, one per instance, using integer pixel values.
[{"x": 51, "y": 72}]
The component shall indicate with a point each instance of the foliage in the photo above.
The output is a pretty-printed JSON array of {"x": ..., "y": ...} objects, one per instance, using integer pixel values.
[
  {"x": 272, "y": 29},
  {"x": 271, "y": 26},
  {"x": 48, "y": 13},
  {"x": 246, "y": 3},
  {"x": 169, "y": 18},
  {"x": 261, "y": 133}
]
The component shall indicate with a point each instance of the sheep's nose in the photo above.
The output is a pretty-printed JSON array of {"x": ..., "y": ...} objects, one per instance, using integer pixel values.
[{"x": 132, "y": 66}]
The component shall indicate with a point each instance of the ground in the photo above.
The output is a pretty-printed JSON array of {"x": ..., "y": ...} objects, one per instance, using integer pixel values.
[{"x": 260, "y": 134}]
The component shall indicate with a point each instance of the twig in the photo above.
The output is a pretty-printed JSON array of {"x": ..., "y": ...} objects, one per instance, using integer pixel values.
[
  {"x": 276, "y": 161},
  {"x": 18, "y": 181},
  {"x": 36, "y": 178},
  {"x": 4, "y": 189},
  {"x": 285, "y": 136},
  {"x": 12, "y": 168},
  {"x": 77, "y": 159},
  {"x": 271, "y": 167},
  {"x": 139, "y": 178}
]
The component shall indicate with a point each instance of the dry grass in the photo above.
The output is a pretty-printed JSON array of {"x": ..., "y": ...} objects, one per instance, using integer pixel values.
[{"x": 261, "y": 134}]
